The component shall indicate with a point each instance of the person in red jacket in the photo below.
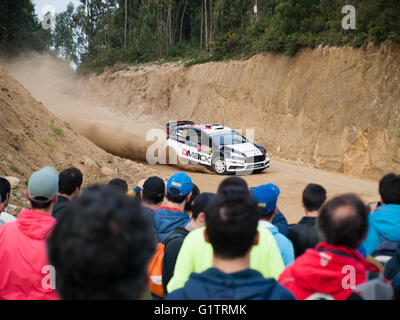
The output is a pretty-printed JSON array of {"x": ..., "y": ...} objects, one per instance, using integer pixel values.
[
  {"x": 334, "y": 268},
  {"x": 24, "y": 268}
]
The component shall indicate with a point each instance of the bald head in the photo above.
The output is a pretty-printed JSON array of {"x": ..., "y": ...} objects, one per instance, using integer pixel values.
[{"x": 343, "y": 221}]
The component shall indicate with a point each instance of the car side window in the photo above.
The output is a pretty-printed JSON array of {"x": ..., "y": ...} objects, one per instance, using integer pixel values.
[
  {"x": 180, "y": 135},
  {"x": 192, "y": 137}
]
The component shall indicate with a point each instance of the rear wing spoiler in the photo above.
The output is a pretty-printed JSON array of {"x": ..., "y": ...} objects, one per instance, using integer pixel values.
[{"x": 173, "y": 124}]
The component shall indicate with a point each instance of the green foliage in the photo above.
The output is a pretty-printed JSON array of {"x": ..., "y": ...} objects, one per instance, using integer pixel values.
[
  {"x": 20, "y": 29},
  {"x": 15, "y": 169},
  {"x": 57, "y": 130},
  {"x": 98, "y": 34},
  {"x": 98, "y": 164}
]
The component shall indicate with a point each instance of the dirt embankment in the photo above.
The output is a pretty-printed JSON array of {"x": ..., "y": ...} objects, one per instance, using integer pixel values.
[
  {"x": 31, "y": 137},
  {"x": 334, "y": 108}
]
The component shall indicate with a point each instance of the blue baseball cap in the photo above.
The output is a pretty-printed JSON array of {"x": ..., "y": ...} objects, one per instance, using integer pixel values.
[
  {"x": 180, "y": 181},
  {"x": 266, "y": 196}
]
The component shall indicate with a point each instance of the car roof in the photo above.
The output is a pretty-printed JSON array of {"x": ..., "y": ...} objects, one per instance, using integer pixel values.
[{"x": 208, "y": 128}]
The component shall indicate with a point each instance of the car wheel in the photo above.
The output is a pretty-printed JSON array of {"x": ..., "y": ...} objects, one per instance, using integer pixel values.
[{"x": 219, "y": 166}]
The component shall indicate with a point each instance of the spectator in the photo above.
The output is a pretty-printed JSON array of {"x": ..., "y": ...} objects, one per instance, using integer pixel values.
[
  {"x": 174, "y": 242},
  {"x": 196, "y": 254},
  {"x": 232, "y": 232},
  {"x": 267, "y": 198},
  {"x": 119, "y": 184},
  {"x": 304, "y": 234},
  {"x": 172, "y": 215},
  {"x": 22, "y": 242},
  {"x": 153, "y": 193},
  {"x": 69, "y": 185},
  {"x": 195, "y": 193},
  {"x": 384, "y": 222},
  {"x": 342, "y": 227},
  {"x": 5, "y": 191},
  {"x": 101, "y": 247},
  {"x": 392, "y": 272}
]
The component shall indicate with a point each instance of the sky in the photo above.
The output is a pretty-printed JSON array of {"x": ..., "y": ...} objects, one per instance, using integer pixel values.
[{"x": 59, "y": 5}]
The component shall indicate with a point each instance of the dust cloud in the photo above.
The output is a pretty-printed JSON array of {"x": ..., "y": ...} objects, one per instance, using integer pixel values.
[{"x": 53, "y": 82}]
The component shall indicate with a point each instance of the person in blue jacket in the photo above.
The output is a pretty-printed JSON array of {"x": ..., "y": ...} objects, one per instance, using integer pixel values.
[
  {"x": 267, "y": 198},
  {"x": 384, "y": 222},
  {"x": 231, "y": 229},
  {"x": 172, "y": 214}
]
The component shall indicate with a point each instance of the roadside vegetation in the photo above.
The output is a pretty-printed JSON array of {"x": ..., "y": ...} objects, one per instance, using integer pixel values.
[{"x": 102, "y": 33}]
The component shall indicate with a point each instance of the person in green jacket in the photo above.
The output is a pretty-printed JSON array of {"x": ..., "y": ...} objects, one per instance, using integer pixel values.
[{"x": 196, "y": 256}]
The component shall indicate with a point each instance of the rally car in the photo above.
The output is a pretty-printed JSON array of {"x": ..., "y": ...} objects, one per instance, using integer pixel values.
[{"x": 216, "y": 147}]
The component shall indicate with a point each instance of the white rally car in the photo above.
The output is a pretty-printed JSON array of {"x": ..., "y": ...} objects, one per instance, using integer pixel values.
[{"x": 217, "y": 147}]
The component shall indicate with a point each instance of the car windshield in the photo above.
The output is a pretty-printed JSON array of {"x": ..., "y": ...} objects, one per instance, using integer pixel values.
[{"x": 228, "y": 138}]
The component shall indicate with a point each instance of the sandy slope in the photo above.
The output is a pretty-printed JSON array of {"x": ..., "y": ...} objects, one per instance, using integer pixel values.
[{"x": 27, "y": 143}]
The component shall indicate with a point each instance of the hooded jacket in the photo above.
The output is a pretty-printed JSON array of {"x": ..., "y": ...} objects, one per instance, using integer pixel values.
[
  {"x": 284, "y": 244},
  {"x": 166, "y": 219},
  {"x": 325, "y": 270},
  {"x": 196, "y": 255},
  {"x": 383, "y": 222},
  {"x": 23, "y": 255},
  {"x": 213, "y": 284}
]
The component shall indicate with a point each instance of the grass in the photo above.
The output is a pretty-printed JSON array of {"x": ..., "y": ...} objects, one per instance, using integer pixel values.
[
  {"x": 15, "y": 169},
  {"x": 50, "y": 144},
  {"x": 57, "y": 130},
  {"x": 98, "y": 164},
  {"x": 15, "y": 194}
]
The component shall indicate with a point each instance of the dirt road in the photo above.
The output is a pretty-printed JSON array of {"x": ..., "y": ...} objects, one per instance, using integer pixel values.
[{"x": 291, "y": 179}]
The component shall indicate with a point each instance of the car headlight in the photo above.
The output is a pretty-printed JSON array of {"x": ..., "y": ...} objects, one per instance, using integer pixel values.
[{"x": 237, "y": 156}]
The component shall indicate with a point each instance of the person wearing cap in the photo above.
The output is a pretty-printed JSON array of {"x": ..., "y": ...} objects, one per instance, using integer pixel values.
[
  {"x": 267, "y": 197},
  {"x": 232, "y": 232},
  {"x": 196, "y": 255},
  {"x": 23, "y": 253},
  {"x": 152, "y": 193},
  {"x": 172, "y": 214},
  {"x": 174, "y": 241}
]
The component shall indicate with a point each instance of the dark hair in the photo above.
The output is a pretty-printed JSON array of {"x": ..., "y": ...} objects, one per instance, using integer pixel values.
[
  {"x": 343, "y": 221},
  {"x": 232, "y": 182},
  {"x": 153, "y": 190},
  {"x": 389, "y": 188},
  {"x": 314, "y": 197},
  {"x": 5, "y": 189},
  {"x": 69, "y": 180},
  {"x": 119, "y": 185},
  {"x": 101, "y": 246},
  {"x": 201, "y": 202},
  {"x": 172, "y": 196},
  {"x": 40, "y": 203},
  {"x": 231, "y": 224},
  {"x": 195, "y": 193}
]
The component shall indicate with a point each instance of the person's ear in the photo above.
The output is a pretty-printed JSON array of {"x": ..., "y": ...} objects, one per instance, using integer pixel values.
[
  {"x": 206, "y": 238},
  {"x": 201, "y": 218},
  {"x": 302, "y": 204},
  {"x": 382, "y": 201},
  {"x": 188, "y": 197},
  {"x": 256, "y": 239},
  {"x": 54, "y": 201},
  {"x": 27, "y": 195},
  {"x": 276, "y": 210},
  {"x": 77, "y": 190}
]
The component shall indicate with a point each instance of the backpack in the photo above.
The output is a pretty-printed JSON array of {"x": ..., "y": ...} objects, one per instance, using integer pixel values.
[
  {"x": 386, "y": 250},
  {"x": 155, "y": 271}
]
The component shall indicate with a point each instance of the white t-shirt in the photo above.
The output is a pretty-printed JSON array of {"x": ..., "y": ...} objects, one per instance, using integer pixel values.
[{"x": 6, "y": 217}]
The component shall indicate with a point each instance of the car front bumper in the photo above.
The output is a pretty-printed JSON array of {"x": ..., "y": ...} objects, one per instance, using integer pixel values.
[{"x": 238, "y": 166}]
